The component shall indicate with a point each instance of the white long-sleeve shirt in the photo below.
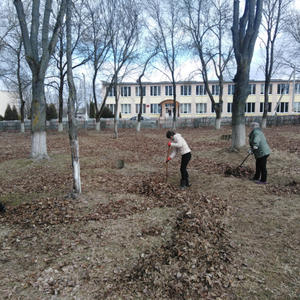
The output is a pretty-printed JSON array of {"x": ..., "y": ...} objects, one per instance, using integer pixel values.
[{"x": 179, "y": 145}]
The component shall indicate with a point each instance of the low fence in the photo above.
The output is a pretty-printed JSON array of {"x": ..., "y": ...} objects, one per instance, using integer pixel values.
[{"x": 153, "y": 123}]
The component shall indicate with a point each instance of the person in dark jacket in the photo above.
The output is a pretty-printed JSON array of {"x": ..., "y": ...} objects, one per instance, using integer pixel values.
[
  {"x": 261, "y": 151},
  {"x": 179, "y": 145}
]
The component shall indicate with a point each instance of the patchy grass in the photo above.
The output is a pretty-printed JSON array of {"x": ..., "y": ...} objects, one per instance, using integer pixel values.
[{"x": 132, "y": 235}]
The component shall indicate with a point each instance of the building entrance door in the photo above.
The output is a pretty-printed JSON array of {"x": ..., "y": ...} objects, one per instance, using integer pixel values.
[{"x": 169, "y": 109}]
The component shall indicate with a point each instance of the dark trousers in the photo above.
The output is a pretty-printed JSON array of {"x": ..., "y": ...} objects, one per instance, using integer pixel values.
[
  {"x": 185, "y": 158},
  {"x": 261, "y": 169}
]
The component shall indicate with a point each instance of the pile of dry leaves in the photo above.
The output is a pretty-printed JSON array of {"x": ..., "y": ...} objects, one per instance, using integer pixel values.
[{"x": 194, "y": 263}]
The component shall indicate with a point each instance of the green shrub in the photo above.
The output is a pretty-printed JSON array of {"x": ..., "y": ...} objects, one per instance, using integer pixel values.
[
  {"x": 11, "y": 114},
  {"x": 51, "y": 112},
  {"x": 107, "y": 113}
]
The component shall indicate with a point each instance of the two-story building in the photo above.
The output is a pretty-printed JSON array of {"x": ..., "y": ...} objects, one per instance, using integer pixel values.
[{"x": 193, "y": 101}]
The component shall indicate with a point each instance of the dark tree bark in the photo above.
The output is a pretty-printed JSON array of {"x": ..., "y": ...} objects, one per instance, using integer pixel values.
[
  {"x": 244, "y": 34},
  {"x": 38, "y": 64}
]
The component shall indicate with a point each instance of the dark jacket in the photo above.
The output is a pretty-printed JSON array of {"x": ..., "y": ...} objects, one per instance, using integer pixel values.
[{"x": 258, "y": 143}]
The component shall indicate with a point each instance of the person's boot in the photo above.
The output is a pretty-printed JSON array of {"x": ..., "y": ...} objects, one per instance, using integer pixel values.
[
  {"x": 187, "y": 183},
  {"x": 182, "y": 184}
]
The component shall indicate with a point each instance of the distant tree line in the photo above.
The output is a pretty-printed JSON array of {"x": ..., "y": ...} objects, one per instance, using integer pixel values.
[{"x": 11, "y": 113}]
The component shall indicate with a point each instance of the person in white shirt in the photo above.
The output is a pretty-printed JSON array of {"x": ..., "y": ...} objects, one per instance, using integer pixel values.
[{"x": 179, "y": 145}]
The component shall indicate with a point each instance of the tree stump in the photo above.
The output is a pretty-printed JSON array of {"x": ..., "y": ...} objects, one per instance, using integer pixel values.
[{"x": 120, "y": 164}]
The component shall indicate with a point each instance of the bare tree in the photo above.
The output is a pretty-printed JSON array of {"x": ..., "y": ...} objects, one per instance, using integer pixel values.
[
  {"x": 272, "y": 23},
  {"x": 78, "y": 30},
  {"x": 99, "y": 37},
  {"x": 73, "y": 137},
  {"x": 38, "y": 62},
  {"x": 208, "y": 25},
  {"x": 124, "y": 39},
  {"x": 166, "y": 30},
  {"x": 244, "y": 34},
  {"x": 15, "y": 72},
  {"x": 141, "y": 92}
]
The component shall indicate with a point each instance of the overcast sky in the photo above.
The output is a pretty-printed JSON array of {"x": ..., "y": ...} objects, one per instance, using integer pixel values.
[{"x": 189, "y": 69}]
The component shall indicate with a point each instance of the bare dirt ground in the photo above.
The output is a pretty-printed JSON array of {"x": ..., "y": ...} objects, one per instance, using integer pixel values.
[{"x": 132, "y": 235}]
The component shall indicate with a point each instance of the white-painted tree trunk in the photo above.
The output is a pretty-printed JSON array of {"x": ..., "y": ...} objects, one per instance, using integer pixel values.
[
  {"x": 60, "y": 127},
  {"x": 76, "y": 169},
  {"x": 238, "y": 136},
  {"x": 22, "y": 129},
  {"x": 39, "y": 145},
  {"x": 116, "y": 128},
  {"x": 98, "y": 126},
  {"x": 218, "y": 124},
  {"x": 138, "y": 127},
  {"x": 264, "y": 123}
]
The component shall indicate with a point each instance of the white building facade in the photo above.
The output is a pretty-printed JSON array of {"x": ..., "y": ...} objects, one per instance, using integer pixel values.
[
  {"x": 193, "y": 101},
  {"x": 6, "y": 98}
]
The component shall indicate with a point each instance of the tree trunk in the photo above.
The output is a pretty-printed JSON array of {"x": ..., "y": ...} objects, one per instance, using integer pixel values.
[
  {"x": 60, "y": 127},
  {"x": 218, "y": 123},
  {"x": 264, "y": 122},
  {"x": 38, "y": 120},
  {"x": 116, "y": 128},
  {"x": 244, "y": 34},
  {"x": 22, "y": 129},
  {"x": 238, "y": 106},
  {"x": 116, "y": 117},
  {"x": 98, "y": 125},
  {"x": 138, "y": 126},
  {"x": 174, "y": 103},
  {"x": 73, "y": 137},
  {"x": 266, "y": 102},
  {"x": 60, "y": 103}
]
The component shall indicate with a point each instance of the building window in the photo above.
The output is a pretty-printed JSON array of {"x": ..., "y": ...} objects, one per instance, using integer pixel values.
[
  {"x": 261, "y": 107},
  {"x": 169, "y": 90},
  {"x": 283, "y": 88},
  {"x": 250, "y": 107},
  {"x": 201, "y": 108},
  {"x": 252, "y": 88},
  {"x": 215, "y": 89},
  {"x": 125, "y": 91},
  {"x": 155, "y": 90},
  {"x": 200, "y": 90},
  {"x": 262, "y": 88},
  {"x": 138, "y": 91},
  {"x": 297, "y": 107},
  {"x": 155, "y": 108},
  {"x": 111, "y": 92},
  {"x": 229, "y": 107},
  {"x": 186, "y": 90},
  {"x": 126, "y": 108},
  {"x": 283, "y": 107},
  {"x": 231, "y": 88},
  {"x": 185, "y": 108},
  {"x": 112, "y": 107},
  {"x": 297, "y": 88},
  {"x": 137, "y": 108}
]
